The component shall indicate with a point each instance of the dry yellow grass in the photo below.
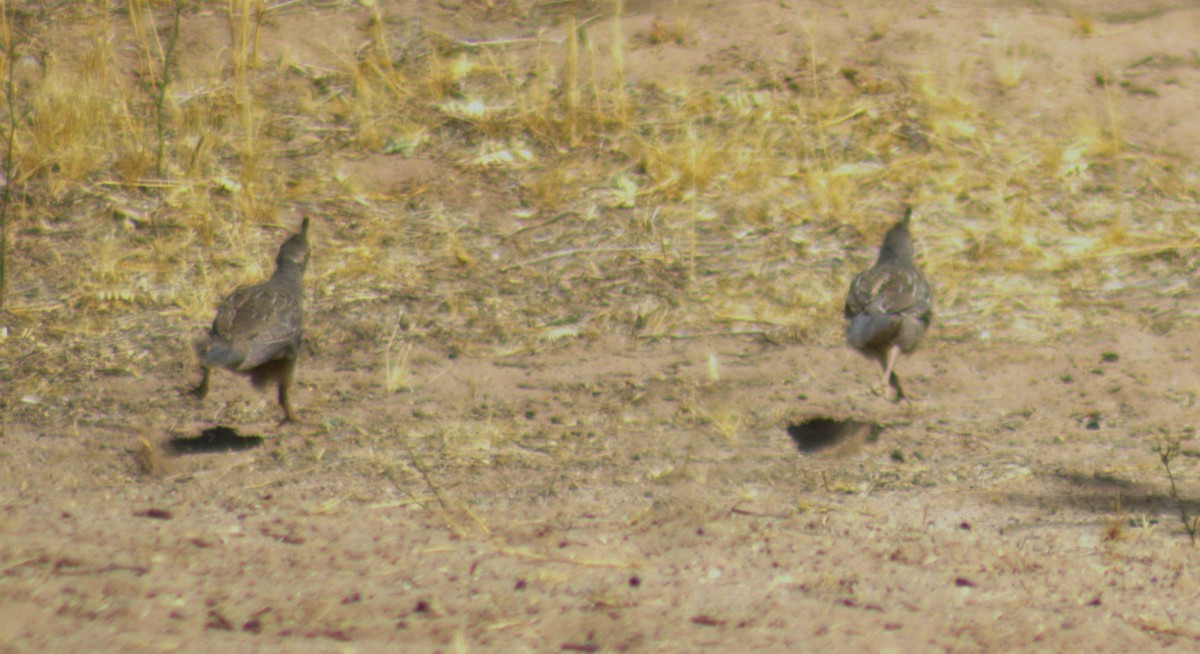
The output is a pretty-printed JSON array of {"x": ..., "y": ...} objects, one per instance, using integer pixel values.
[{"x": 752, "y": 203}]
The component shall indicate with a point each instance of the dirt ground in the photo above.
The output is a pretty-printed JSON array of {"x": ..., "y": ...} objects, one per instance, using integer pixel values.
[{"x": 617, "y": 488}]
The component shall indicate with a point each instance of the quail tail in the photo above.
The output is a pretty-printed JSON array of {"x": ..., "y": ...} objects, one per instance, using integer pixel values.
[
  {"x": 220, "y": 355},
  {"x": 868, "y": 328}
]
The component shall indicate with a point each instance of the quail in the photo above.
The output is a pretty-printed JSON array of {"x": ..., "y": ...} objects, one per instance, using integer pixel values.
[
  {"x": 890, "y": 305},
  {"x": 258, "y": 329}
]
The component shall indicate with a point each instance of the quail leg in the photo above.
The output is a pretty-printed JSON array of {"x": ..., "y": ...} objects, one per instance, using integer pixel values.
[
  {"x": 284, "y": 382},
  {"x": 900, "y": 394},
  {"x": 201, "y": 389},
  {"x": 890, "y": 378}
]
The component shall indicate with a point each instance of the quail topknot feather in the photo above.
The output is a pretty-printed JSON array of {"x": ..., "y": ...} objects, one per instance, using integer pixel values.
[
  {"x": 890, "y": 305},
  {"x": 258, "y": 329}
]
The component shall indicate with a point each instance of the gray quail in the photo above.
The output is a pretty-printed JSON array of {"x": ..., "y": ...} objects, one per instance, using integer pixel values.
[
  {"x": 890, "y": 305},
  {"x": 258, "y": 329}
]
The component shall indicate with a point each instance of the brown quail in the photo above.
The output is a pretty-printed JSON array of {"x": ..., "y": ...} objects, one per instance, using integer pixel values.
[
  {"x": 890, "y": 305},
  {"x": 258, "y": 329}
]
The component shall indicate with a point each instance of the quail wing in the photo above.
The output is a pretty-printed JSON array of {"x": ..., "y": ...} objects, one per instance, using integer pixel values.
[{"x": 262, "y": 322}]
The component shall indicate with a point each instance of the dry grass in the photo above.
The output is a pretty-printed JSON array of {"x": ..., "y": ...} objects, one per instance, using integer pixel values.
[
  {"x": 576, "y": 202},
  {"x": 478, "y": 199}
]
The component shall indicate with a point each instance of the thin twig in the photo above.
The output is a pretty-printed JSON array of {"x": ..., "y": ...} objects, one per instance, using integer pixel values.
[
  {"x": 1168, "y": 449},
  {"x": 731, "y": 332},
  {"x": 741, "y": 511},
  {"x": 10, "y": 51},
  {"x": 64, "y": 571},
  {"x": 437, "y": 492},
  {"x": 463, "y": 43},
  {"x": 544, "y": 223},
  {"x": 1145, "y": 625}
]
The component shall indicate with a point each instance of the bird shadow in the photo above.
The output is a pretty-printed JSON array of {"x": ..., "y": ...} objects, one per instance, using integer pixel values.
[
  {"x": 821, "y": 433},
  {"x": 214, "y": 439}
]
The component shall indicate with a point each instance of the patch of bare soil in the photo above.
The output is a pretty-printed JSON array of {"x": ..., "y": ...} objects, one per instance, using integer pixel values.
[
  {"x": 598, "y": 497},
  {"x": 620, "y": 489}
]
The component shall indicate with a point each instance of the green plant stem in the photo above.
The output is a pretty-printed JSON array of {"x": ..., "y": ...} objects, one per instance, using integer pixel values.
[{"x": 1166, "y": 453}]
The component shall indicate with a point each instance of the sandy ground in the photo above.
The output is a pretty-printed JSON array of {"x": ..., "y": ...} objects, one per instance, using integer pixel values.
[{"x": 614, "y": 492}]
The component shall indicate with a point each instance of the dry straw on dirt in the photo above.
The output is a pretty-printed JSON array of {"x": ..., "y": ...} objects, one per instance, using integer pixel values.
[
  {"x": 557, "y": 247},
  {"x": 687, "y": 207}
]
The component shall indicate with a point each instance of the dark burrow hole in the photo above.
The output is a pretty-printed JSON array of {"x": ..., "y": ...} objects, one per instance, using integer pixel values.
[
  {"x": 816, "y": 434},
  {"x": 213, "y": 439}
]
